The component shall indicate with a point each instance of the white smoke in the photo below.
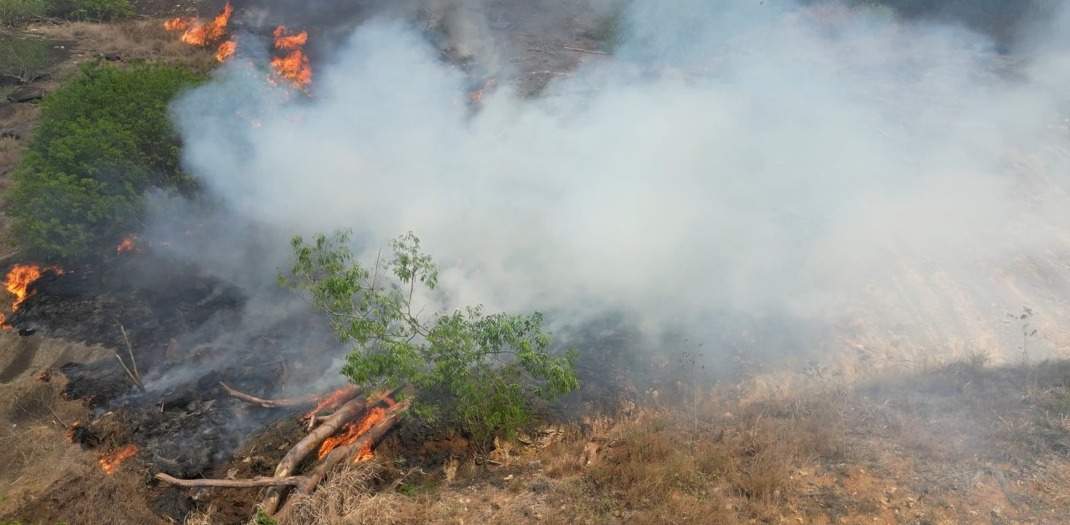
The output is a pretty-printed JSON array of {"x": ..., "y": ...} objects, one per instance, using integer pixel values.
[{"x": 837, "y": 169}]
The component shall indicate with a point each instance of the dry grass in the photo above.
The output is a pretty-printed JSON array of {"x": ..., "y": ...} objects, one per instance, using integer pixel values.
[
  {"x": 346, "y": 498},
  {"x": 954, "y": 444},
  {"x": 132, "y": 40}
]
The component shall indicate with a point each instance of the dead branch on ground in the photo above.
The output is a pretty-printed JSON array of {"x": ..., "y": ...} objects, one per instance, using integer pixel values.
[
  {"x": 269, "y": 403},
  {"x": 231, "y": 483},
  {"x": 306, "y": 484}
]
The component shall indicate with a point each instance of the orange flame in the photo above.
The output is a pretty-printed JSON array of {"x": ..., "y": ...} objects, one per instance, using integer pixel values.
[
  {"x": 333, "y": 400},
  {"x": 18, "y": 283},
  {"x": 294, "y": 66},
  {"x": 200, "y": 33},
  {"x": 109, "y": 463},
  {"x": 352, "y": 432},
  {"x": 177, "y": 24},
  {"x": 289, "y": 42},
  {"x": 126, "y": 245},
  {"x": 226, "y": 50}
]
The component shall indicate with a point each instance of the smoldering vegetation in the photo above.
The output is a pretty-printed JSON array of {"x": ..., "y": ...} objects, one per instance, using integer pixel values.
[{"x": 776, "y": 178}]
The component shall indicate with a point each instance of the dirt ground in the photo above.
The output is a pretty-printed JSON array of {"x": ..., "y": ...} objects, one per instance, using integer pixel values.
[{"x": 45, "y": 475}]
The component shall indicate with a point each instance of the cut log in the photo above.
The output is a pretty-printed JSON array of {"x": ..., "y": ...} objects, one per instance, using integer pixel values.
[
  {"x": 231, "y": 483},
  {"x": 269, "y": 403},
  {"x": 310, "y": 443},
  {"x": 369, "y": 439}
]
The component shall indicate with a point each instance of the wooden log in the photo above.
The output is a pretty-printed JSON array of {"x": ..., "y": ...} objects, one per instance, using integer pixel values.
[
  {"x": 231, "y": 483},
  {"x": 269, "y": 403},
  {"x": 369, "y": 439},
  {"x": 310, "y": 443}
]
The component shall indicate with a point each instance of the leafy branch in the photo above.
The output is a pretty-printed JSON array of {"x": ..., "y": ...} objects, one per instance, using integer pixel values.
[{"x": 481, "y": 372}]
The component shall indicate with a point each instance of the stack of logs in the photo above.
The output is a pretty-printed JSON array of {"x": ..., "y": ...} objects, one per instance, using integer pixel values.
[{"x": 348, "y": 405}]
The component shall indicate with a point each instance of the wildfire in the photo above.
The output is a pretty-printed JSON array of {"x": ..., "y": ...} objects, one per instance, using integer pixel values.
[
  {"x": 294, "y": 66},
  {"x": 197, "y": 32},
  {"x": 109, "y": 463},
  {"x": 226, "y": 50},
  {"x": 332, "y": 401},
  {"x": 126, "y": 245},
  {"x": 289, "y": 42},
  {"x": 18, "y": 283},
  {"x": 352, "y": 432}
]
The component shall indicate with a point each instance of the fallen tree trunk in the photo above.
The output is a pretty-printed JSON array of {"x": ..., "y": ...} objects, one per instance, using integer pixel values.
[
  {"x": 368, "y": 440},
  {"x": 269, "y": 403},
  {"x": 311, "y": 442},
  {"x": 307, "y": 483},
  {"x": 231, "y": 483}
]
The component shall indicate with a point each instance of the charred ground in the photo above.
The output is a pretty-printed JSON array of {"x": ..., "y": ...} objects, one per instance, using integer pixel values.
[{"x": 960, "y": 442}]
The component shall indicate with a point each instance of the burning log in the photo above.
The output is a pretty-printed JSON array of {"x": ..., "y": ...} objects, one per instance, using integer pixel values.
[
  {"x": 347, "y": 412},
  {"x": 357, "y": 449}
]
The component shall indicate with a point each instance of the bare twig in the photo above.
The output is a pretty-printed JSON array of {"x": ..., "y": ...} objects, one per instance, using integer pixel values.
[
  {"x": 129, "y": 373},
  {"x": 58, "y": 419},
  {"x": 269, "y": 403},
  {"x": 130, "y": 350},
  {"x": 582, "y": 50}
]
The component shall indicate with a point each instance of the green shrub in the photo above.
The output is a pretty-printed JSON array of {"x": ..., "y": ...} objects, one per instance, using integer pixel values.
[
  {"x": 103, "y": 139},
  {"x": 93, "y": 10},
  {"x": 481, "y": 373},
  {"x": 16, "y": 12}
]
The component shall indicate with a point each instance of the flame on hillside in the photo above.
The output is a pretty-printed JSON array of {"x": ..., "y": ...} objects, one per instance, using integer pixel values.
[
  {"x": 110, "y": 463},
  {"x": 226, "y": 50},
  {"x": 197, "y": 32},
  {"x": 128, "y": 244},
  {"x": 18, "y": 282},
  {"x": 296, "y": 41},
  {"x": 294, "y": 65}
]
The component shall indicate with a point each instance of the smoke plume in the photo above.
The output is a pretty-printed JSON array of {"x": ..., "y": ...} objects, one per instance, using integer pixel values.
[{"x": 843, "y": 177}]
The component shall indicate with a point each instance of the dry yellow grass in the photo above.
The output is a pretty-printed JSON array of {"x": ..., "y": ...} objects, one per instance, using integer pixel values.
[
  {"x": 954, "y": 444},
  {"x": 131, "y": 40}
]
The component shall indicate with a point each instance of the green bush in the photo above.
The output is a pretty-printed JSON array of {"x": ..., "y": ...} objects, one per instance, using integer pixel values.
[
  {"x": 93, "y": 10},
  {"x": 103, "y": 139},
  {"x": 481, "y": 373},
  {"x": 16, "y": 12}
]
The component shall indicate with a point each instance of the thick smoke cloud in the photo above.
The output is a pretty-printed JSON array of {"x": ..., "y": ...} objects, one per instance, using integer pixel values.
[{"x": 836, "y": 174}]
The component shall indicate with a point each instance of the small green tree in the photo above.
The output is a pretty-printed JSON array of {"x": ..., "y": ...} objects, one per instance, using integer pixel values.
[
  {"x": 103, "y": 139},
  {"x": 480, "y": 372}
]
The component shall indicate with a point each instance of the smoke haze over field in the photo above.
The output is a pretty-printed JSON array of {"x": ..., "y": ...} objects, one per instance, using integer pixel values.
[{"x": 733, "y": 166}]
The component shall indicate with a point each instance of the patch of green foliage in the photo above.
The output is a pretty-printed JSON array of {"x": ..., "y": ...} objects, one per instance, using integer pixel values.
[
  {"x": 479, "y": 372},
  {"x": 93, "y": 10},
  {"x": 17, "y": 12},
  {"x": 263, "y": 519},
  {"x": 103, "y": 139}
]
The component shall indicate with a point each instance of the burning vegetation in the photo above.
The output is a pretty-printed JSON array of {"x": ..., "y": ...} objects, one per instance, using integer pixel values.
[
  {"x": 110, "y": 463},
  {"x": 19, "y": 280},
  {"x": 292, "y": 66},
  {"x": 206, "y": 33},
  {"x": 126, "y": 245}
]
